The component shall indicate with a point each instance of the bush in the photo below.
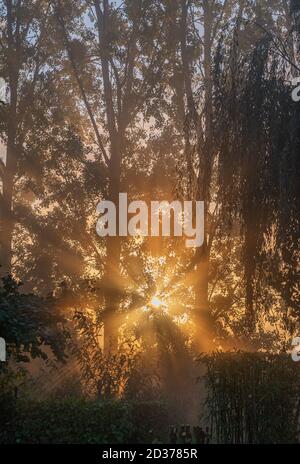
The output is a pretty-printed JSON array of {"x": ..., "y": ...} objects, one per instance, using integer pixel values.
[
  {"x": 83, "y": 421},
  {"x": 253, "y": 397}
]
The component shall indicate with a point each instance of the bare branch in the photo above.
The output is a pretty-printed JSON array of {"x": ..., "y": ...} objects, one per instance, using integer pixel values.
[
  {"x": 102, "y": 18},
  {"x": 79, "y": 81}
]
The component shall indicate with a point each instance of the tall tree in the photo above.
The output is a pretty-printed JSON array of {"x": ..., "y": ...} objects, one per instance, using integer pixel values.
[
  {"x": 127, "y": 65},
  {"x": 23, "y": 32},
  {"x": 260, "y": 152}
]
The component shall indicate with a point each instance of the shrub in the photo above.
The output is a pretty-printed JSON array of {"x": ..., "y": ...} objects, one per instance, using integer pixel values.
[
  {"x": 84, "y": 421},
  {"x": 253, "y": 397}
]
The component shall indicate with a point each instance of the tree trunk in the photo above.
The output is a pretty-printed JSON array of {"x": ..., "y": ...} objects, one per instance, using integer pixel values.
[
  {"x": 8, "y": 182},
  {"x": 112, "y": 274},
  {"x": 6, "y": 214},
  {"x": 116, "y": 138},
  {"x": 203, "y": 317}
]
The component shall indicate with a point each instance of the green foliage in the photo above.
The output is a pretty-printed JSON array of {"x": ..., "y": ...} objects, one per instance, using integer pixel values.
[
  {"x": 253, "y": 397},
  {"x": 8, "y": 381},
  {"x": 28, "y": 322},
  {"x": 256, "y": 129},
  {"x": 126, "y": 373},
  {"x": 81, "y": 421}
]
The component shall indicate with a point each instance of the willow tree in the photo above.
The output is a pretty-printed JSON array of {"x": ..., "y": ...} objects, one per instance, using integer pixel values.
[
  {"x": 199, "y": 27},
  {"x": 257, "y": 128}
]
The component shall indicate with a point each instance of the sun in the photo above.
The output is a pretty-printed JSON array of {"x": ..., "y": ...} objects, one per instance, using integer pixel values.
[{"x": 156, "y": 302}]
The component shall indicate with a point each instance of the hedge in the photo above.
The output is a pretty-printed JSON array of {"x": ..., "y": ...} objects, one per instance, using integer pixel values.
[{"x": 83, "y": 421}]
